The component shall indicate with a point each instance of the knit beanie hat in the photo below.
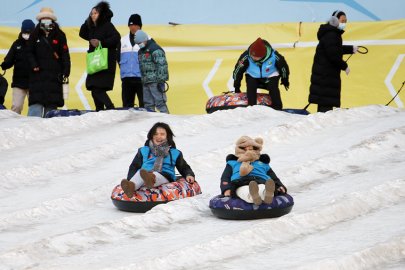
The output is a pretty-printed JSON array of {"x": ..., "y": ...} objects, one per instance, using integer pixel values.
[
  {"x": 135, "y": 19},
  {"x": 46, "y": 12},
  {"x": 27, "y": 26},
  {"x": 258, "y": 48},
  {"x": 140, "y": 36}
]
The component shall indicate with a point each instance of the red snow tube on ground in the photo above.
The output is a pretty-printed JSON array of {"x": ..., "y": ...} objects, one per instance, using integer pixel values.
[
  {"x": 233, "y": 100},
  {"x": 146, "y": 198}
]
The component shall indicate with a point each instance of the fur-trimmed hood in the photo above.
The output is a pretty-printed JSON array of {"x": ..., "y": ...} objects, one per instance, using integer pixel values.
[{"x": 105, "y": 13}]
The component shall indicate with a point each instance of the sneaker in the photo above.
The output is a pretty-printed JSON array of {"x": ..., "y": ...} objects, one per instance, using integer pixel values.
[
  {"x": 254, "y": 193},
  {"x": 149, "y": 178},
  {"x": 269, "y": 191},
  {"x": 128, "y": 187}
]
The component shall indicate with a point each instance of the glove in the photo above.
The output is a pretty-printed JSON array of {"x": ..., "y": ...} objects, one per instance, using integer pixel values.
[
  {"x": 286, "y": 83},
  {"x": 355, "y": 49},
  {"x": 162, "y": 87},
  {"x": 94, "y": 42},
  {"x": 347, "y": 71},
  {"x": 4, "y": 66},
  {"x": 237, "y": 90}
]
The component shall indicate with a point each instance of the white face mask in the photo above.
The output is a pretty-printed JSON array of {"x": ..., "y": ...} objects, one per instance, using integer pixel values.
[
  {"x": 47, "y": 25},
  {"x": 141, "y": 45},
  {"x": 342, "y": 26},
  {"x": 25, "y": 36}
]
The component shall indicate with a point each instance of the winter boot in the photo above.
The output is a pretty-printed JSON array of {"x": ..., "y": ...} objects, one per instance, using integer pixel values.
[
  {"x": 254, "y": 193},
  {"x": 269, "y": 191},
  {"x": 128, "y": 187},
  {"x": 149, "y": 178}
]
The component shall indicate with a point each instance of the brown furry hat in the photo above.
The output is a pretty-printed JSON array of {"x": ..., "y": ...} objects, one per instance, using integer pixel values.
[
  {"x": 245, "y": 141},
  {"x": 245, "y": 156}
]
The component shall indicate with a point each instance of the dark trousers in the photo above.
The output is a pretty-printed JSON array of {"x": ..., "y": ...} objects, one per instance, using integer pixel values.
[
  {"x": 130, "y": 88},
  {"x": 101, "y": 100},
  {"x": 270, "y": 84},
  {"x": 323, "y": 108}
]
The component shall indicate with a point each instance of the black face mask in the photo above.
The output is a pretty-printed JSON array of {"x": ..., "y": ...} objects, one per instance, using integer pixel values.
[{"x": 47, "y": 25}]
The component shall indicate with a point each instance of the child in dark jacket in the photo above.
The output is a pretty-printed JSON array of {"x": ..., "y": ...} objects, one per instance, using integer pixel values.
[
  {"x": 263, "y": 67},
  {"x": 155, "y": 163},
  {"x": 248, "y": 174}
]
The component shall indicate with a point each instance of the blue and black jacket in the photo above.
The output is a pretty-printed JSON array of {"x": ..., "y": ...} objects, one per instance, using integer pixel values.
[
  {"x": 273, "y": 61},
  {"x": 261, "y": 173},
  {"x": 144, "y": 159}
]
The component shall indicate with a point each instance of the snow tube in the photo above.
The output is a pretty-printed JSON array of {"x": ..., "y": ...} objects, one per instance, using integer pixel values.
[
  {"x": 65, "y": 113},
  {"x": 238, "y": 209},
  {"x": 297, "y": 111},
  {"x": 146, "y": 198},
  {"x": 75, "y": 112},
  {"x": 134, "y": 109},
  {"x": 232, "y": 100}
]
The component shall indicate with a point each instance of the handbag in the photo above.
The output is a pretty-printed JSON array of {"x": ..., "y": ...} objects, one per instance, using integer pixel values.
[
  {"x": 97, "y": 60},
  {"x": 3, "y": 88}
]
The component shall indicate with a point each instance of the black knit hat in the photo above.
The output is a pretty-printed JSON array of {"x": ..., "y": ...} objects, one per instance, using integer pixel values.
[
  {"x": 135, "y": 19},
  {"x": 27, "y": 26},
  {"x": 338, "y": 13}
]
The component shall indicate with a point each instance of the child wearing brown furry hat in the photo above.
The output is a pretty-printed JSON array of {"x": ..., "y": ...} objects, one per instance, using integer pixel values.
[{"x": 248, "y": 174}]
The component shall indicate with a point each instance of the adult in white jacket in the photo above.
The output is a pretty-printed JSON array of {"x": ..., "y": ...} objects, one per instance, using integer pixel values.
[{"x": 129, "y": 65}]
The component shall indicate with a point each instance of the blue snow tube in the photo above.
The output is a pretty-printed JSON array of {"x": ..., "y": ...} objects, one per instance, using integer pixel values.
[{"x": 238, "y": 209}]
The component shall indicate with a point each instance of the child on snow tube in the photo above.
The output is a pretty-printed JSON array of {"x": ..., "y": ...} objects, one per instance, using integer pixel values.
[
  {"x": 154, "y": 164},
  {"x": 248, "y": 174}
]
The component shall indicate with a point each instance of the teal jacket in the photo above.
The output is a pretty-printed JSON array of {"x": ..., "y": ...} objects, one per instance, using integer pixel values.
[{"x": 144, "y": 159}]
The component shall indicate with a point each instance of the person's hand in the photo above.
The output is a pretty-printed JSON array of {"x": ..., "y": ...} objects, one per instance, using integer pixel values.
[
  {"x": 190, "y": 179},
  {"x": 36, "y": 69},
  {"x": 94, "y": 42},
  {"x": 347, "y": 71},
  {"x": 355, "y": 49},
  {"x": 227, "y": 193},
  {"x": 286, "y": 83},
  {"x": 161, "y": 87},
  {"x": 281, "y": 189}
]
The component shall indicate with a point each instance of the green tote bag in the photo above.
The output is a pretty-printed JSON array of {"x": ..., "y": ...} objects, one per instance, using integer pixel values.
[{"x": 97, "y": 60}]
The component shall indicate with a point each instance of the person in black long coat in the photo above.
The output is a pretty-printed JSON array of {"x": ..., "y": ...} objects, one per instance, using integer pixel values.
[
  {"x": 17, "y": 57},
  {"x": 49, "y": 59},
  {"x": 328, "y": 63},
  {"x": 98, "y": 29}
]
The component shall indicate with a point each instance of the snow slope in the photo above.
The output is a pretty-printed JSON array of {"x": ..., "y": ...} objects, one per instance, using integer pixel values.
[{"x": 345, "y": 170}]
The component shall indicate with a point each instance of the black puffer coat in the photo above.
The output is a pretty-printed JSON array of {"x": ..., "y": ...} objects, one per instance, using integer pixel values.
[
  {"x": 17, "y": 57},
  {"x": 110, "y": 38},
  {"x": 328, "y": 63},
  {"x": 51, "y": 55}
]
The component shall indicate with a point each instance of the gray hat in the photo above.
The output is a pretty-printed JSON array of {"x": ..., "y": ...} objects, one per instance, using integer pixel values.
[{"x": 140, "y": 36}]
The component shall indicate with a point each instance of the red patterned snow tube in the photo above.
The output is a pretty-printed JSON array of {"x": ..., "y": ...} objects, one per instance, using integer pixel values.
[
  {"x": 146, "y": 198},
  {"x": 233, "y": 100}
]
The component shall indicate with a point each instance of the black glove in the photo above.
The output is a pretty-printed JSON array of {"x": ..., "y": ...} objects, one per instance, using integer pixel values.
[
  {"x": 237, "y": 90},
  {"x": 2, "y": 66},
  {"x": 286, "y": 83},
  {"x": 162, "y": 87}
]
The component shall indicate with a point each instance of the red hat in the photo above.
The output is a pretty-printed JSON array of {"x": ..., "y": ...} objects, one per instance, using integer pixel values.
[{"x": 258, "y": 48}]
